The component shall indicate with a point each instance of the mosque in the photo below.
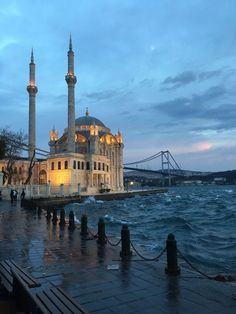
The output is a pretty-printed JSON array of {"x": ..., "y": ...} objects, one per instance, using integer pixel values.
[{"x": 87, "y": 157}]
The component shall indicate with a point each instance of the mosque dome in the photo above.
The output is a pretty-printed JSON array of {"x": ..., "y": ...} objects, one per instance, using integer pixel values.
[
  {"x": 88, "y": 120},
  {"x": 88, "y": 125}
]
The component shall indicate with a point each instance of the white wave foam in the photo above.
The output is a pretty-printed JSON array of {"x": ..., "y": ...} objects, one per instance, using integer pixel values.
[
  {"x": 111, "y": 219},
  {"x": 90, "y": 200},
  {"x": 99, "y": 202}
]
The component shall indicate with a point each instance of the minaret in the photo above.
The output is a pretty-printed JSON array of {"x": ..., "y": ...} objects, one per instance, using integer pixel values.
[
  {"x": 32, "y": 90},
  {"x": 71, "y": 81}
]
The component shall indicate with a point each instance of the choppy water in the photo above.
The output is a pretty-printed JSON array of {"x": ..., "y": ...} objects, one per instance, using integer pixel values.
[{"x": 203, "y": 220}]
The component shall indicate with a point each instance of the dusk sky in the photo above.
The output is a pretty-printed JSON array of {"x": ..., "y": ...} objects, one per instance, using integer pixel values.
[{"x": 162, "y": 72}]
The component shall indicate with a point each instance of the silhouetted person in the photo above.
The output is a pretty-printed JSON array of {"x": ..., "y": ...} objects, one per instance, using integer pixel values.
[
  {"x": 15, "y": 195},
  {"x": 22, "y": 196},
  {"x": 12, "y": 196}
]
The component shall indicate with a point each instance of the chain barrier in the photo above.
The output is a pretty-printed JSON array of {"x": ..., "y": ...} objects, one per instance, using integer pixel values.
[
  {"x": 92, "y": 234},
  {"x": 194, "y": 267},
  {"x": 145, "y": 258},
  {"x": 112, "y": 244}
]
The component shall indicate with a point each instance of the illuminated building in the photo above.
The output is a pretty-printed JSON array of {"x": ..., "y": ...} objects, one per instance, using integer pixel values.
[{"x": 87, "y": 157}]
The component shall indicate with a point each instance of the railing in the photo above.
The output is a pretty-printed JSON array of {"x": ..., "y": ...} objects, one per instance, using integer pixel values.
[{"x": 41, "y": 190}]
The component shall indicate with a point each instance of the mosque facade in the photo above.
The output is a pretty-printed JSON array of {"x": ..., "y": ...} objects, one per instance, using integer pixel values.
[{"x": 87, "y": 157}]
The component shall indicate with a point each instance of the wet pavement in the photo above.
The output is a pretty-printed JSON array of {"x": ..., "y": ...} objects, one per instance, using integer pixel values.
[{"x": 60, "y": 257}]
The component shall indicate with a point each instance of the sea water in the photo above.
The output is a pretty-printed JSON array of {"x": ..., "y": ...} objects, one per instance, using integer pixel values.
[{"x": 203, "y": 220}]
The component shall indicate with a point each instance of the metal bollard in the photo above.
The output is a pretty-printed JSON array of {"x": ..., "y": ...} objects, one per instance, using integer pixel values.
[
  {"x": 71, "y": 220},
  {"x": 125, "y": 242},
  {"x": 101, "y": 232},
  {"x": 62, "y": 218},
  {"x": 171, "y": 253},
  {"x": 54, "y": 216},
  {"x": 48, "y": 216},
  {"x": 84, "y": 226}
]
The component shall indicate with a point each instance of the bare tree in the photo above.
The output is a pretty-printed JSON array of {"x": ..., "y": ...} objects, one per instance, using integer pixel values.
[
  {"x": 30, "y": 170},
  {"x": 11, "y": 146}
]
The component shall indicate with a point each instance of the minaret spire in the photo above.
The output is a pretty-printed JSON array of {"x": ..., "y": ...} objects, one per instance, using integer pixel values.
[
  {"x": 70, "y": 44},
  {"x": 32, "y": 90},
  {"x": 71, "y": 81},
  {"x": 32, "y": 56}
]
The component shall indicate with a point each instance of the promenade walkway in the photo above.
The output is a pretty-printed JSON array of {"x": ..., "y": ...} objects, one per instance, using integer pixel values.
[{"x": 82, "y": 268}]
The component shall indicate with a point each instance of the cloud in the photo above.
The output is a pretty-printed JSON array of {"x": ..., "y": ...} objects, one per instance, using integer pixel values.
[
  {"x": 208, "y": 74},
  {"x": 181, "y": 79},
  {"x": 187, "y": 77},
  {"x": 194, "y": 106},
  {"x": 102, "y": 95},
  {"x": 147, "y": 82}
]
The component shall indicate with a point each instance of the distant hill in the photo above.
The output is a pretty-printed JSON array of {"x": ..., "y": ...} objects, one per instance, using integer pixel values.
[{"x": 228, "y": 177}]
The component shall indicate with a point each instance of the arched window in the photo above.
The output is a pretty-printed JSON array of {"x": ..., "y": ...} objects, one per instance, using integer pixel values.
[{"x": 42, "y": 177}]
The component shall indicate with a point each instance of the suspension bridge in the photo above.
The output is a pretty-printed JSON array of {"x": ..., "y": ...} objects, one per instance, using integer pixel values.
[{"x": 168, "y": 166}]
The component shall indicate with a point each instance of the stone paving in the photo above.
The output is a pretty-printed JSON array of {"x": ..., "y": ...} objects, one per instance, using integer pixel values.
[{"x": 59, "y": 257}]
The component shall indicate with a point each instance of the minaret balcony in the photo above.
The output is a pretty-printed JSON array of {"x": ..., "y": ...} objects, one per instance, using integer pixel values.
[
  {"x": 70, "y": 79},
  {"x": 32, "y": 89}
]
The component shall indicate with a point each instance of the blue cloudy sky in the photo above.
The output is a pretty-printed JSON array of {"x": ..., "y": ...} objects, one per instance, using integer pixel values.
[{"x": 163, "y": 72}]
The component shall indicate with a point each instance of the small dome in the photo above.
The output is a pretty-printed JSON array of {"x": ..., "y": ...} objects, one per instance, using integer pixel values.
[{"x": 88, "y": 120}]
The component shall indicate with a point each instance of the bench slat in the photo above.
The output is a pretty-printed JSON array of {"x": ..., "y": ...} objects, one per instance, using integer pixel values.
[
  {"x": 50, "y": 306},
  {"x": 5, "y": 270},
  {"x": 6, "y": 277},
  {"x": 68, "y": 301},
  {"x": 25, "y": 297},
  {"x": 27, "y": 278},
  {"x": 59, "y": 303},
  {"x": 7, "y": 285}
]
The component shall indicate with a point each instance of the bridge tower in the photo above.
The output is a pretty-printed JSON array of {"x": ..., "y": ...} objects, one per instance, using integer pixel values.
[{"x": 165, "y": 166}]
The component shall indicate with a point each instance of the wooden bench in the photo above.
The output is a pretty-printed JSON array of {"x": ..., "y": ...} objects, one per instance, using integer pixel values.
[
  {"x": 52, "y": 300},
  {"x": 6, "y": 275}
]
